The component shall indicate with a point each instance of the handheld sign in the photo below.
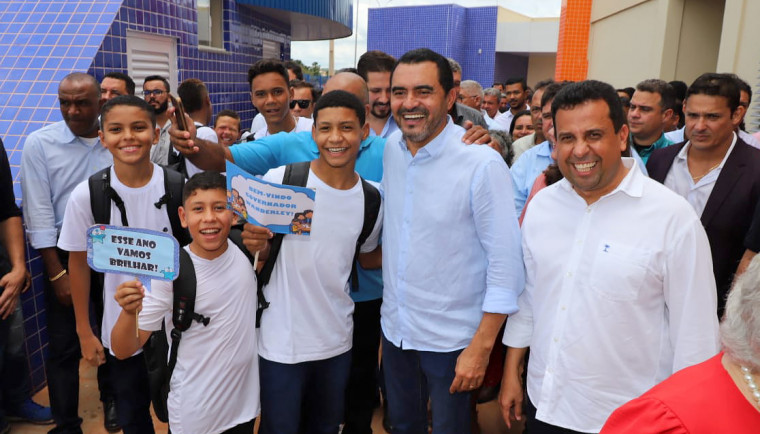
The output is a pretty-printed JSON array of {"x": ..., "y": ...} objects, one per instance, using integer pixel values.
[
  {"x": 142, "y": 253},
  {"x": 284, "y": 209}
]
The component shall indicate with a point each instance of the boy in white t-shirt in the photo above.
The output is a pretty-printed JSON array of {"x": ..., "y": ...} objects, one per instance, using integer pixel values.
[
  {"x": 128, "y": 130},
  {"x": 306, "y": 332},
  {"x": 215, "y": 384}
]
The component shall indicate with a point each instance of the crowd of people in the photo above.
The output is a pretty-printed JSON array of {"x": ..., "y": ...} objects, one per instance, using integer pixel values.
[{"x": 575, "y": 267}]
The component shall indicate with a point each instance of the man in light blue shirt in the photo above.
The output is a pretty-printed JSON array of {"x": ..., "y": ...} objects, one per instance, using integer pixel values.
[
  {"x": 375, "y": 68},
  {"x": 55, "y": 159},
  {"x": 452, "y": 262}
]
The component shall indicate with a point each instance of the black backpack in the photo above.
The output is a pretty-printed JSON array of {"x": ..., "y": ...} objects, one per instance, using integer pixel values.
[
  {"x": 297, "y": 174},
  {"x": 157, "y": 349}
]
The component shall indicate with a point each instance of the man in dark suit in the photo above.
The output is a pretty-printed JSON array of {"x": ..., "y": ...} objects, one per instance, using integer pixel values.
[{"x": 718, "y": 173}]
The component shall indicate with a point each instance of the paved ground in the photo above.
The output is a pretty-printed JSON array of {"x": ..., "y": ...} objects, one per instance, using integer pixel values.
[{"x": 91, "y": 411}]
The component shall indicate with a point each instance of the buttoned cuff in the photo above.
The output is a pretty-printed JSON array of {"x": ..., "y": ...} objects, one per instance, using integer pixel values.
[
  {"x": 500, "y": 300},
  {"x": 41, "y": 239}
]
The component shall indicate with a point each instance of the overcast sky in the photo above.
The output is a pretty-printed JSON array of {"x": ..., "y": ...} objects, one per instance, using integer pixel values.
[{"x": 317, "y": 51}]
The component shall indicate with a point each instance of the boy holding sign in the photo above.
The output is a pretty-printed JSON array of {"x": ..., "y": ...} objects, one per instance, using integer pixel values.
[
  {"x": 306, "y": 332},
  {"x": 215, "y": 384},
  {"x": 128, "y": 130}
]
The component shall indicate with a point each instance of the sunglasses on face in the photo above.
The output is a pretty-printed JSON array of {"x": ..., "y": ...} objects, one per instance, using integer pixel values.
[{"x": 303, "y": 103}]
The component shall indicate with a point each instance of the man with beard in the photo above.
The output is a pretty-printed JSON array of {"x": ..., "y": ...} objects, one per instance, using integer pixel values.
[
  {"x": 156, "y": 92},
  {"x": 441, "y": 312},
  {"x": 516, "y": 91},
  {"x": 375, "y": 68}
]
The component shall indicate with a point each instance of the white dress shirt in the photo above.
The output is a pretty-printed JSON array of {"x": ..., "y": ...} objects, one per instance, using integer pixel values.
[
  {"x": 502, "y": 121},
  {"x": 679, "y": 179},
  {"x": 619, "y": 295}
]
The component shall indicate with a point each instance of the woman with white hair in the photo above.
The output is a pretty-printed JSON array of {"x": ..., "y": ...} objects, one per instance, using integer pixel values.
[{"x": 720, "y": 395}]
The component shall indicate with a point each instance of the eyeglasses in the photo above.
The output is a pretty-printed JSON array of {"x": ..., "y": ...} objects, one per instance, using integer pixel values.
[
  {"x": 303, "y": 103},
  {"x": 157, "y": 92}
]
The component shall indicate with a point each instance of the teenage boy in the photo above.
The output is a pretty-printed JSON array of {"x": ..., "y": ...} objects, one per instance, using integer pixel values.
[
  {"x": 128, "y": 130},
  {"x": 271, "y": 94},
  {"x": 306, "y": 333},
  {"x": 227, "y": 127},
  {"x": 217, "y": 365}
]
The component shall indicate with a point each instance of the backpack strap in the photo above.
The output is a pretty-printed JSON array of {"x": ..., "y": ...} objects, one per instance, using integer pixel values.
[
  {"x": 101, "y": 195},
  {"x": 183, "y": 308},
  {"x": 372, "y": 203},
  {"x": 296, "y": 174},
  {"x": 174, "y": 183}
]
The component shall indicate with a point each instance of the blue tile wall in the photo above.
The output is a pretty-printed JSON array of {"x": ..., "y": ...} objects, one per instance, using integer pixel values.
[
  {"x": 42, "y": 41},
  {"x": 466, "y": 34}
]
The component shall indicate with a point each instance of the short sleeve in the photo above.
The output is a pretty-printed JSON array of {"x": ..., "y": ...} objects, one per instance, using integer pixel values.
[
  {"x": 76, "y": 220},
  {"x": 644, "y": 416},
  {"x": 156, "y": 305}
]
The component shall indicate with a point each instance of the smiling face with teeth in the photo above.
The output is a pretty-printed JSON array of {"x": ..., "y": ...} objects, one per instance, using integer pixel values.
[
  {"x": 338, "y": 134},
  {"x": 419, "y": 103},
  {"x": 128, "y": 132},
  {"x": 589, "y": 150},
  {"x": 207, "y": 218}
]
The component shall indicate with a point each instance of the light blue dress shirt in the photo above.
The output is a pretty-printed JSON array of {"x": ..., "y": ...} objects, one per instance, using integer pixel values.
[
  {"x": 389, "y": 128},
  {"x": 451, "y": 243},
  {"x": 527, "y": 168},
  {"x": 280, "y": 149},
  {"x": 53, "y": 162}
]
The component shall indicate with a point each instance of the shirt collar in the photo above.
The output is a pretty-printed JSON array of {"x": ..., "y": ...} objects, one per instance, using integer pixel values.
[
  {"x": 544, "y": 149},
  {"x": 632, "y": 184},
  {"x": 68, "y": 136},
  {"x": 435, "y": 146},
  {"x": 683, "y": 153}
]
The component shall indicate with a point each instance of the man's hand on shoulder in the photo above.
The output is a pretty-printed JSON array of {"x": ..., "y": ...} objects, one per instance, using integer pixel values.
[{"x": 477, "y": 135}]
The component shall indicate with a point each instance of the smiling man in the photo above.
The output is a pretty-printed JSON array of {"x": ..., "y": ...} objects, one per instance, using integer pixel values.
[
  {"x": 630, "y": 300},
  {"x": 271, "y": 95},
  {"x": 375, "y": 68},
  {"x": 452, "y": 267}
]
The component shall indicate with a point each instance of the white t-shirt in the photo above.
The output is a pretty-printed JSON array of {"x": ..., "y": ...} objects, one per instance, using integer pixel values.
[
  {"x": 138, "y": 202},
  {"x": 215, "y": 384},
  {"x": 302, "y": 124},
  {"x": 310, "y": 316},
  {"x": 204, "y": 133}
]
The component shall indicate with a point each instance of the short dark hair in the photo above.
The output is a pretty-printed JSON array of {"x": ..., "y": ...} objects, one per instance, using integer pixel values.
[
  {"x": 116, "y": 75},
  {"x": 158, "y": 78},
  {"x": 128, "y": 100},
  {"x": 680, "y": 89},
  {"x": 192, "y": 92},
  {"x": 340, "y": 98},
  {"x": 81, "y": 77},
  {"x": 516, "y": 80},
  {"x": 627, "y": 90},
  {"x": 445, "y": 76},
  {"x": 295, "y": 67},
  {"x": 574, "y": 94},
  {"x": 519, "y": 114},
  {"x": 348, "y": 69},
  {"x": 228, "y": 113},
  {"x": 661, "y": 87},
  {"x": 208, "y": 180},
  {"x": 715, "y": 84},
  {"x": 542, "y": 84},
  {"x": 375, "y": 61},
  {"x": 264, "y": 66},
  {"x": 551, "y": 91},
  {"x": 300, "y": 84},
  {"x": 743, "y": 86}
]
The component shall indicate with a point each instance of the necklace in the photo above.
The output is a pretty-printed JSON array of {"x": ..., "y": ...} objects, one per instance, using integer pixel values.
[
  {"x": 697, "y": 178},
  {"x": 751, "y": 383}
]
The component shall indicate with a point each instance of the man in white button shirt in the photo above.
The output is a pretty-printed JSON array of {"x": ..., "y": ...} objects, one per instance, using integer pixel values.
[{"x": 619, "y": 293}]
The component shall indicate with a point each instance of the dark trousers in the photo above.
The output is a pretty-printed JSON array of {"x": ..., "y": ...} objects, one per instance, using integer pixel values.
[
  {"x": 410, "y": 376},
  {"x": 303, "y": 397},
  {"x": 535, "y": 426},
  {"x": 62, "y": 365},
  {"x": 129, "y": 379},
  {"x": 14, "y": 370},
  {"x": 361, "y": 395}
]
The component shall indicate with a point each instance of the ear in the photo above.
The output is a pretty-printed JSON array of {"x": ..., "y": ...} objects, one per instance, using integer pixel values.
[
  {"x": 156, "y": 135},
  {"x": 451, "y": 98},
  {"x": 100, "y": 136},
  {"x": 667, "y": 114},
  {"x": 365, "y": 131},
  {"x": 182, "y": 216},
  {"x": 623, "y": 137},
  {"x": 738, "y": 115}
]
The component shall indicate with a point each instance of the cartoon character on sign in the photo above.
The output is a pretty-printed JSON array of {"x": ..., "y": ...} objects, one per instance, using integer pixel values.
[
  {"x": 296, "y": 225},
  {"x": 168, "y": 273},
  {"x": 306, "y": 225},
  {"x": 97, "y": 235},
  {"x": 237, "y": 203}
]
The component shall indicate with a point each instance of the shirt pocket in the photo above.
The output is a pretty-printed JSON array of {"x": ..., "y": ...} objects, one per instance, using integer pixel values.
[{"x": 619, "y": 270}]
